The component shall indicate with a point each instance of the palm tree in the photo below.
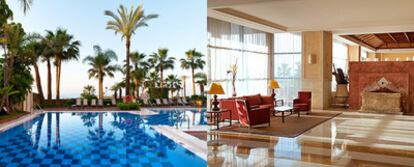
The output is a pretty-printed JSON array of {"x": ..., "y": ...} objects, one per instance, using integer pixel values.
[
  {"x": 201, "y": 80},
  {"x": 65, "y": 48},
  {"x": 173, "y": 83},
  {"x": 34, "y": 51},
  {"x": 126, "y": 22},
  {"x": 141, "y": 68},
  {"x": 160, "y": 61},
  {"x": 193, "y": 61},
  {"x": 101, "y": 66},
  {"x": 26, "y": 4},
  {"x": 152, "y": 80}
]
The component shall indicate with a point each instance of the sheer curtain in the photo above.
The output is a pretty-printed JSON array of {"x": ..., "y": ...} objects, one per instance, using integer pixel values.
[
  {"x": 287, "y": 61},
  {"x": 230, "y": 43}
]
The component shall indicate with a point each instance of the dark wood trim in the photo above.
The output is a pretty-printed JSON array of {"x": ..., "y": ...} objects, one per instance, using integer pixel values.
[{"x": 358, "y": 41}]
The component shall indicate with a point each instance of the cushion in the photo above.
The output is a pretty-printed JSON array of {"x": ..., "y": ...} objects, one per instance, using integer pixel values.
[
  {"x": 268, "y": 100},
  {"x": 253, "y": 100}
]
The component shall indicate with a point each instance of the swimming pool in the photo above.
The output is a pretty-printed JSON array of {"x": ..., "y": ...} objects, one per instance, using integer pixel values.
[{"x": 94, "y": 139}]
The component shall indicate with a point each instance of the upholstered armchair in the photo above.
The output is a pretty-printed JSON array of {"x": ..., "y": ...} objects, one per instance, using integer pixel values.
[
  {"x": 252, "y": 116},
  {"x": 303, "y": 102}
]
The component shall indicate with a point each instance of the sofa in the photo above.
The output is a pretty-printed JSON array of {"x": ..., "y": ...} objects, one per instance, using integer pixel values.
[{"x": 252, "y": 101}]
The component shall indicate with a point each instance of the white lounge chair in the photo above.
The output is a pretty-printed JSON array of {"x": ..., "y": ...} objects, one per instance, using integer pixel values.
[
  {"x": 165, "y": 101},
  {"x": 93, "y": 103},
  {"x": 146, "y": 102},
  {"x": 158, "y": 102},
  {"x": 100, "y": 103},
  {"x": 85, "y": 103},
  {"x": 171, "y": 101},
  {"x": 78, "y": 103},
  {"x": 185, "y": 101},
  {"x": 180, "y": 101}
]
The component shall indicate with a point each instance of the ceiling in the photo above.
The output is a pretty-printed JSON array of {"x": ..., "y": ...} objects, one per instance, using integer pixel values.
[
  {"x": 396, "y": 40},
  {"x": 339, "y": 16}
]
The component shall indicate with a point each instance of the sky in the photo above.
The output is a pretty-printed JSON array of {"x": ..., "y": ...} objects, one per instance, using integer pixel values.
[{"x": 181, "y": 25}]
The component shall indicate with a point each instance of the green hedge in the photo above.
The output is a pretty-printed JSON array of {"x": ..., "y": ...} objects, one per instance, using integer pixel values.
[
  {"x": 128, "y": 106},
  {"x": 158, "y": 93}
]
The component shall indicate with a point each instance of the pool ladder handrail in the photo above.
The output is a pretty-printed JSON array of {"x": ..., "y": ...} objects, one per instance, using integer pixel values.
[
  {"x": 37, "y": 107},
  {"x": 178, "y": 118}
]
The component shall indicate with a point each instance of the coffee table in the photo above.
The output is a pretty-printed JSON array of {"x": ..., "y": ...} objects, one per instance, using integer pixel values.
[{"x": 283, "y": 109}]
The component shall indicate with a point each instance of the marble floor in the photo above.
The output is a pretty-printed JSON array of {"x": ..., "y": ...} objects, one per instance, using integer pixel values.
[{"x": 350, "y": 139}]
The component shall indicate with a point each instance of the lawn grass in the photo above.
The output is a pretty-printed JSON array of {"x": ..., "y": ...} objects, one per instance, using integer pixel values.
[{"x": 14, "y": 115}]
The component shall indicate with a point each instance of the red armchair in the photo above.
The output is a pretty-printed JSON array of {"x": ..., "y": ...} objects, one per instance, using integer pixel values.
[
  {"x": 252, "y": 116},
  {"x": 231, "y": 105},
  {"x": 303, "y": 102}
]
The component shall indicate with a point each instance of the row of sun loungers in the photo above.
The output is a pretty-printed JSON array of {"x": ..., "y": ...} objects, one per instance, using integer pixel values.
[
  {"x": 94, "y": 103},
  {"x": 158, "y": 102},
  {"x": 166, "y": 102}
]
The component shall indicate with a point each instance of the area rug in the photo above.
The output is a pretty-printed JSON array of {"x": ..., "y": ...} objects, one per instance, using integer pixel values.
[{"x": 292, "y": 127}]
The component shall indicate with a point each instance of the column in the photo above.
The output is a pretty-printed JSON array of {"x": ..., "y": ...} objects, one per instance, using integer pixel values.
[{"x": 317, "y": 67}]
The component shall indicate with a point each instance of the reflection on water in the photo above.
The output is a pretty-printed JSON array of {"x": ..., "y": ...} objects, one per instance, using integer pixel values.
[{"x": 93, "y": 139}]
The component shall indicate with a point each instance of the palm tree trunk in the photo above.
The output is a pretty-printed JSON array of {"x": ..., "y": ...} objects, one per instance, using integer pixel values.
[
  {"x": 202, "y": 90},
  {"x": 6, "y": 68},
  {"x": 161, "y": 76},
  {"x": 38, "y": 82},
  {"x": 193, "y": 81},
  {"x": 128, "y": 44},
  {"x": 137, "y": 89},
  {"x": 49, "y": 81},
  {"x": 101, "y": 87},
  {"x": 58, "y": 67}
]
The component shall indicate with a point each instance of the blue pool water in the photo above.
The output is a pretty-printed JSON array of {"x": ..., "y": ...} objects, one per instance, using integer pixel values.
[{"x": 97, "y": 139}]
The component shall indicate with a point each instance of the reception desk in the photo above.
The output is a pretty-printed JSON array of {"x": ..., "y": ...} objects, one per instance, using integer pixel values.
[{"x": 381, "y": 102}]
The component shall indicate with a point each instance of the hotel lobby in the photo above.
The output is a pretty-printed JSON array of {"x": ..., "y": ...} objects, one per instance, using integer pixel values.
[{"x": 311, "y": 83}]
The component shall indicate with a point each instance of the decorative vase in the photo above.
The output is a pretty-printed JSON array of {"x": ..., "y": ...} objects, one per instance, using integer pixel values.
[{"x": 341, "y": 93}]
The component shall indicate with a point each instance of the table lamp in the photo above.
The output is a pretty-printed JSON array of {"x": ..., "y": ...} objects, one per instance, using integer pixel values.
[
  {"x": 216, "y": 89},
  {"x": 273, "y": 84}
]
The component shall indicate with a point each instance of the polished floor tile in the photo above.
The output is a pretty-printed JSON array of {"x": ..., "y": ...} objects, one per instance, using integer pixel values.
[{"x": 350, "y": 139}]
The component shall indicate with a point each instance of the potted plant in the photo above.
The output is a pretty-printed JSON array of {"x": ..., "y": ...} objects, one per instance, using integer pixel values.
[
  {"x": 341, "y": 85},
  {"x": 233, "y": 72}
]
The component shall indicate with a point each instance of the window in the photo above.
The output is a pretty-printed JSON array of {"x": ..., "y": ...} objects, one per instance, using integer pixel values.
[
  {"x": 287, "y": 65},
  {"x": 229, "y": 44},
  {"x": 339, "y": 59}
]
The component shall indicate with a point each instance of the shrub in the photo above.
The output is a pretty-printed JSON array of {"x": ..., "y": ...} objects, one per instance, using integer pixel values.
[
  {"x": 128, "y": 106},
  {"x": 158, "y": 93}
]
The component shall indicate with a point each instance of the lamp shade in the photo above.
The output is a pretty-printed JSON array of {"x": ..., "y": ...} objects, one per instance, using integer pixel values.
[
  {"x": 215, "y": 88},
  {"x": 273, "y": 84}
]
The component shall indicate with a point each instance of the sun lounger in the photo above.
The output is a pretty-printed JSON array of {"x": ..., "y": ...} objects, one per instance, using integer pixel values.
[
  {"x": 78, "y": 103},
  {"x": 180, "y": 101},
  {"x": 165, "y": 101},
  {"x": 158, "y": 102},
  {"x": 171, "y": 101},
  {"x": 100, "y": 103},
  {"x": 93, "y": 103},
  {"x": 185, "y": 101},
  {"x": 85, "y": 103},
  {"x": 146, "y": 102}
]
